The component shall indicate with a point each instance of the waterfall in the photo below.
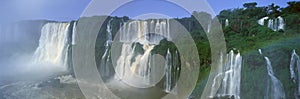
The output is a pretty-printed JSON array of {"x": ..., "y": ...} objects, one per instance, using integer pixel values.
[
  {"x": 141, "y": 31},
  {"x": 271, "y": 24},
  {"x": 274, "y": 88},
  {"x": 74, "y": 33},
  {"x": 281, "y": 23},
  {"x": 53, "y": 45},
  {"x": 295, "y": 63},
  {"x": 171, "y": 69},
  {"x": 209, "y": 27},
  {"x": 262, "y": 20},
  {"x": 274, "y": 24},
  {"x": 226, "y": 22},
  {"x": 168, "y": 82},
  {"x": 105, "y": 60},
  {"x": 229, "y": 77},
  {"x": 260, "y": 52},
  {"x": 134, "y": 67},
  {"x": 176, "y": 68}
]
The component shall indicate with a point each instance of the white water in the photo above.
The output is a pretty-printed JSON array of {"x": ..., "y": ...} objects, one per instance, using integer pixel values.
[
  {"x": 260, "y": 52},
  {"x": 74, "y": 33},
  {"x": 104, "y": 68},
  {"x": 229, "y": 77},
  {"x": 171, "y": 69},
  {"x": 271, "y": 24},
  {"x": 209, "y": 27},
  {"x": 53, "y": 46},
  {"x": 274, "y": 88},
  {"x": 295, "y": 63},
  {"x": 66, "y": 79},
  {"x": 262, "y": 20},
  {"x": 274, "y": 24},
  {"x": 281, "y": 23},
  {"x": 168, "y": 83},
  {"x": 137, "y": 31},
  {"x": 32, "y": 74},
  {"x": 134, "y": 68},
  {"x": 226, "y": 22}
]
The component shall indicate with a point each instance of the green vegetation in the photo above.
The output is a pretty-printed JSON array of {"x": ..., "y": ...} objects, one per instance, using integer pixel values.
[{"x": 244, "y": 34}]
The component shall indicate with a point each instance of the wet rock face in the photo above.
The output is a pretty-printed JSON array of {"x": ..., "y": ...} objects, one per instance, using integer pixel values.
[{"x": 255, "y": 74}]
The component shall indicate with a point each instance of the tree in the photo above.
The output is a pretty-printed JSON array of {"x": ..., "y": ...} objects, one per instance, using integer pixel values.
[
  {"x": 273, "y": 10},
  {"x": 250, "y": 5},
  {"x": 294, "y": 7}
]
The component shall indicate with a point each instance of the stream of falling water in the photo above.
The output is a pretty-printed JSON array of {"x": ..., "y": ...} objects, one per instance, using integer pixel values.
[
  {"x": 295, "y": 63},
  {"x": 105, "y": 60},
  {"x": 134, "y": 65},
  {"x": 168, "y": 72},
  {"x": 275, "y": 88},
  {"x": 35, "y": 80},
  {"x": 274, "y": 24},
  {"x": 229, "y": 77},
  {"x": 53, "y": 45}
]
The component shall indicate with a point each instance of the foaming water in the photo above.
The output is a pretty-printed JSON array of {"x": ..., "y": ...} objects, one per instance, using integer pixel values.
[
  {"x": 227, "y": 81},
  {"x": 135, "y": 64},
  {"x": 295, "y": 63},
  {"x": 148, "y": 34},
  {"x": 37, "y": 75},
  {"x": 274, "y": 88},
  {"x": 274, "y": 24},
  {"x": 53, "y": 45},
  {"x": 50, "y": 57}
]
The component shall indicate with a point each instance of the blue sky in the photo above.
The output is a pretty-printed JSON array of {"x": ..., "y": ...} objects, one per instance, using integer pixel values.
[{"x": 65, "y": 10}]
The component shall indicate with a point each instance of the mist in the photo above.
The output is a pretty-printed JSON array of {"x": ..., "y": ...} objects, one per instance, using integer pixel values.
[{"x": 18, "y": 58}]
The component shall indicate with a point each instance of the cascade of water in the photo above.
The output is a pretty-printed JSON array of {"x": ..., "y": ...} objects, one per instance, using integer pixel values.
[
  {"x": 209, "y": 27},
  {"x": 229, "y": 78},
  {"x": 281, "y": 23},
  {"x": 152, "y": 27},
  {"x": 275, "y": 24},
  {"x": 168, "y": 82},
  {"x": 260, "y": 52},
  {"x": 142, "y": 31},
  {"x": 175, "y": 70},
  {"x": 134, "y": 67},
  {"x": 147, "y": 78},
  {"x": 124, "y": 60},
  {"x": 226, "y": 22},
  {"x": 53, "y": 45},
  {"x": 271, "y": 24},
  {"x": 262, "y": 20},
  {"x": 176, "y": 65},
  {"x": 275, "y": 88},
  {"x": 217, "y": 79},
  {"x": 74, "y": 33},
  {"x": 105, "y": 61},
  {"x": 295, "y": 63}
]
